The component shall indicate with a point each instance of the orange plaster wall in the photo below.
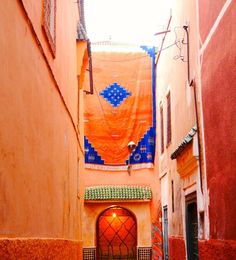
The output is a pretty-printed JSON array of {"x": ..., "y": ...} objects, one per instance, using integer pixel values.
[
  {"x": 145, "y": 213},
  {"x": 38, "y": 146},
  {"x": 140, "y": 177},
  {"x": 66, "y": 25}
]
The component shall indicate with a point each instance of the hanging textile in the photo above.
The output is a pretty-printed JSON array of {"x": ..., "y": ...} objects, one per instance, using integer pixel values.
[{"x": 121, "y": 110}]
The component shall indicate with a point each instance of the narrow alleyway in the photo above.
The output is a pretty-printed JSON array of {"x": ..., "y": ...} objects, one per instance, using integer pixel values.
[{"x": 117, "y": 130}]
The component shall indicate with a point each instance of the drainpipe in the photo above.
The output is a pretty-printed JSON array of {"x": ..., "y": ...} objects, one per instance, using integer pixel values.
[{"x": 191, "y": 83}]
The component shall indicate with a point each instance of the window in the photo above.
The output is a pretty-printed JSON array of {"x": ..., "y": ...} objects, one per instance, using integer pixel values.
[
  {"x": 173, "y": 196},
  {"x": 165, "y": 233},
  {"x": 49, "y": 23},
  {"x": 162, "y": 129},
  {"x": 168, "y": 119},
  {"x": 191, "y": 219}
]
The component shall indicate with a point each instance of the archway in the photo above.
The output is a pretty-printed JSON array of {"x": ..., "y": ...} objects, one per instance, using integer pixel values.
[{"x": 116, "y": 234}]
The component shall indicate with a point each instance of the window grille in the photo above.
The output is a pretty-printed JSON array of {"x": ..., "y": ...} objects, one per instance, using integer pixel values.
[
  {"x": 89, "y": 253},
  {"x": 116, "y": 235},
  {"x": 144, "y": 253}
]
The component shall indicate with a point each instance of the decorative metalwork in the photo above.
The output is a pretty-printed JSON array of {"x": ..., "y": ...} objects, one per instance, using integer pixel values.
[
  {"x": 116, "y": 235},
  {"x": 89, "y": 253},
  {"x": 144, "y": 253}
]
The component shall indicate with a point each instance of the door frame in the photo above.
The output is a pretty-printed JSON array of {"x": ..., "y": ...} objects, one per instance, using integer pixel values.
[
  {"x": 190, "y": 199},
  {"x": 165, "y": 232}
]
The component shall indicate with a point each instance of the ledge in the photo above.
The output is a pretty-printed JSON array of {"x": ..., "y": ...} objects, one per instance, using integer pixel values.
[{"x": 187, "y": 139}]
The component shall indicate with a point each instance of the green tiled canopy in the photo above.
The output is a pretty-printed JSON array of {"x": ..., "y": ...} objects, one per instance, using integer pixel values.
[{"x": 98, "y": 193}]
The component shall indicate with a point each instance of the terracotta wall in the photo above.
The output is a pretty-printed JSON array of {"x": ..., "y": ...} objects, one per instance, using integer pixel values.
[
  {"x": 208, "y": 11},
  {"x": 177, "y": 248},
  {"x": 39, "y": 169},
  {"x": 217, "y": 249},
  {"x": 218, "y": 100}
]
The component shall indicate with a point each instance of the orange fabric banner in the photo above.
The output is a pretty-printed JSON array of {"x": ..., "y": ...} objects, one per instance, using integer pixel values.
[{"x": 121, "y": 109}]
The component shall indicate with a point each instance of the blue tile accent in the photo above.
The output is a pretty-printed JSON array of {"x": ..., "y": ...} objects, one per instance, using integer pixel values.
[
  {"x": 151, "y": 51},
  {"x": 145, "y": 150},
  {"x": 91, "y": 155},
  {"x": 115, "y": 94}
]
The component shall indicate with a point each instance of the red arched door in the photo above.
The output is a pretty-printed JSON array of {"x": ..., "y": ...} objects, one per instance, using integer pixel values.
[{"x": 116, "y": 234}]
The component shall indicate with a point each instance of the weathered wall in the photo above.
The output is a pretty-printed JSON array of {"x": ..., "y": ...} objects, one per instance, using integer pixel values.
[
  {"x": 39, "y": 249},
  {"x": 208, "y": 10},
  {"x": 219, "y": 99},
  {"x": 172, "y": 78},
  {"x": 217, "y": 249},
  {"x": 38, "y": 139},
  {"x": 177, "y": 248}
]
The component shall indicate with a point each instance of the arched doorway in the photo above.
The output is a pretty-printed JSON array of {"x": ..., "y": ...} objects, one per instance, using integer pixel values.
[{"x": 116, "y": 234}]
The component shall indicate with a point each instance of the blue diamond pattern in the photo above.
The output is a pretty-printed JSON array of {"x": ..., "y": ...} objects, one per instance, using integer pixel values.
[{"x": 115, "y": 94}]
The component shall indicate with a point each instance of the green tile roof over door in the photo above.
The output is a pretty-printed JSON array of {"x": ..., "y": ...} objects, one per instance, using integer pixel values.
[{"x": 100, "y": 193}]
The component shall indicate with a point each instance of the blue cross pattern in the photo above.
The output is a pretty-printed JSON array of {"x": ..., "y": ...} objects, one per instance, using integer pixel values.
[{"x": 115, "y": 94}]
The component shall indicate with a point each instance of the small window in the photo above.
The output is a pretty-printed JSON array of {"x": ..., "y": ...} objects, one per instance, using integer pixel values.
[
  {"x": 162, "y": 129},
  {"x": 49, "y": 23},
  {"x": 173, "y": 196},
  {"x": 168, "y": 119}
]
